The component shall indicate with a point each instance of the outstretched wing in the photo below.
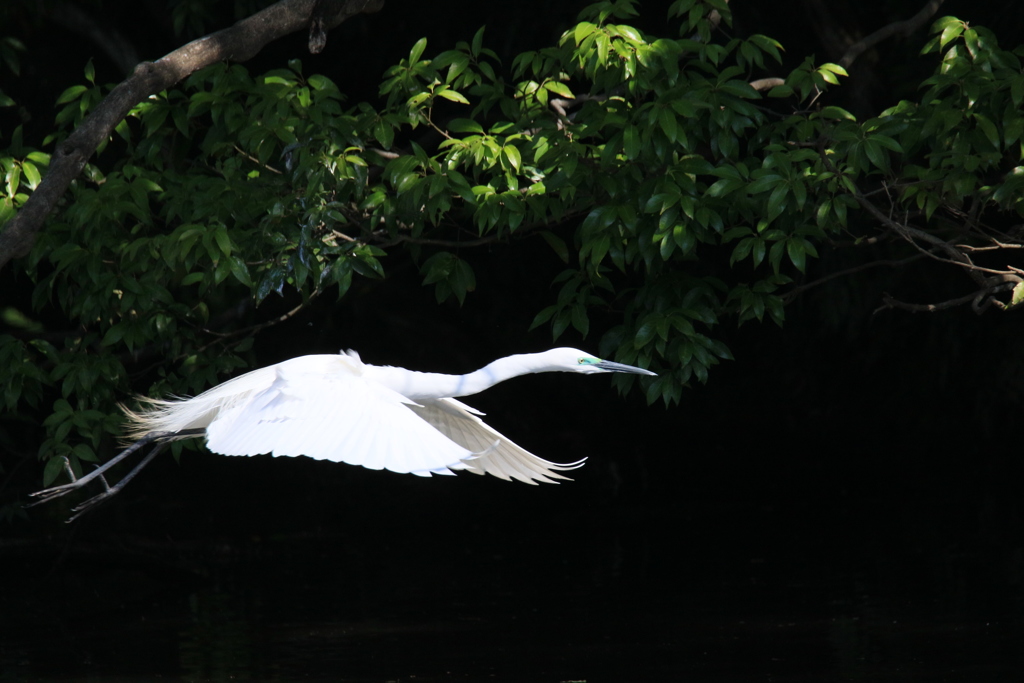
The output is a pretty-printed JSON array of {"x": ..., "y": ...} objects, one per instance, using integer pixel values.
[
  {"x": 328, "y": 412},
  {"x": 495, "y": 454}
]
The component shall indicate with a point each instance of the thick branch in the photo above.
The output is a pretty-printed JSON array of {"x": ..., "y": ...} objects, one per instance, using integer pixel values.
[
  {"x": 763, "y": 84},
  {"x": 237, "y": 43}
]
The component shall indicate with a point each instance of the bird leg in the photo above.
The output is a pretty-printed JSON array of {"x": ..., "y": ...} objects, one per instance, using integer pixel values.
[
  {"x": 76, "y": 483},
  {"x": 110, "y": 491}
]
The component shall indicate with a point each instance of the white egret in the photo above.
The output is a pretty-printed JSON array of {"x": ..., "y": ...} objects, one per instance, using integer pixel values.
[{"x": 335, "y": 407}]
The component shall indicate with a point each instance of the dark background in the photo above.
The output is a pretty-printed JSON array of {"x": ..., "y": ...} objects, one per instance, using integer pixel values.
[{"x": 841, "y": 502}]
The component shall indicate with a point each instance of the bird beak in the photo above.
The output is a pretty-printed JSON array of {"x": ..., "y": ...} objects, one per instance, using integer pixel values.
[{"x": 619, "y": 367}]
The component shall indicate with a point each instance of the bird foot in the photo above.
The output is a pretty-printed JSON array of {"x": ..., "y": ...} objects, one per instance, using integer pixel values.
[
  {"x": 90, "y": 503},
  {"x": 63, "y": 489}
]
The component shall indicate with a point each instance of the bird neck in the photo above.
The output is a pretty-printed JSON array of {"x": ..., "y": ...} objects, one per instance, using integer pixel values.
[{"x": 422, "y": 385}]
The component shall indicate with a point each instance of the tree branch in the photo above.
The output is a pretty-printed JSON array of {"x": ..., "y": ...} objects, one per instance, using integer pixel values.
[
  {"x": 763, "y": 84},
  {"x": 796, "y": 291},
  {"x": 237, "y": 43},
  {"x": 979, "y": 301}
]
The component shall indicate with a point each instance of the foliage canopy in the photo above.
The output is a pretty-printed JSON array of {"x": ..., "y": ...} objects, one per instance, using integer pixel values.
[{"x": 677, "y": 194}]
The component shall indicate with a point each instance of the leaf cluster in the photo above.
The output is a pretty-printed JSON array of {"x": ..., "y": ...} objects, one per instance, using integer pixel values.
[{"x": 676, "y": 195}]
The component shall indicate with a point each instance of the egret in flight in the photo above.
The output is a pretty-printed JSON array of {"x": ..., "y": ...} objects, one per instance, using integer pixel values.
[{"x": 335, "y": 407}]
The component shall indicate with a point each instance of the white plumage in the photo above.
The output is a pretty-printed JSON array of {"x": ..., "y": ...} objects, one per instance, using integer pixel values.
[{"x": 335, "y": 407}]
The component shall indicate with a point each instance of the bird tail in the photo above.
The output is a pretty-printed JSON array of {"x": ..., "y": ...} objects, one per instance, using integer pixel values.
[{"x": 153, "y": 415}]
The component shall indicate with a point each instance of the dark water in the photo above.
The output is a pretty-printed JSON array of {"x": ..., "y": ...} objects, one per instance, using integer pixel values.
[
  {"x": 445, "y": 585},
  {"x": 684, "y": 551}
]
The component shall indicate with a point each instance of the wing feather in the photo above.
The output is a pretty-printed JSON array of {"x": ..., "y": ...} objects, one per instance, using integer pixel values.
[
  {"x": 494, "y": 454},
  {"x": 335, "y": 416}
]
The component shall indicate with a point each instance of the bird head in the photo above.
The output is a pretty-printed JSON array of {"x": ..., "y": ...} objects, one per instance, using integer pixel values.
[{"x": 574, "y": 360}]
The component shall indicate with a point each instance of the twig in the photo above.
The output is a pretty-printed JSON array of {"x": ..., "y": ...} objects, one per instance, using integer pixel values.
[
  {"x": 480, "y": 241},
  {"x": 385, "y": 154},
  {"x": 338, "y": 235},
  {"x": 995, "y": 247},
  {"x": 255, "y": 160},
  {"x": 253, "y": 329}
]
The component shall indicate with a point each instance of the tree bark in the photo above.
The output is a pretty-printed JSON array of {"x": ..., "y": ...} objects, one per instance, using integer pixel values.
[{"x": 237, "y": 43}]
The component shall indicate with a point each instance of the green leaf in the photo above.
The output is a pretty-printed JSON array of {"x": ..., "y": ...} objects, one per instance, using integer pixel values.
[
  {"x": 453, "y": 96},
  {"x": 71, "y": 94},
  {"x": 796, "y": 253},
  {"x": 417, "y": 50},
  {"x": 240, "y": 271},
  {"x": 113, "y": 335},
  {"x": 478, "y": 39},
  {"x": 557, "y": 245},
  {"x": 833, "y": 68},
  {"x": 511, "y": 154},
  {"x": 777, "y": 202},
  {"x": 667, "y": 121},
  {"x": 582, "y": 31},
  {"x": 1018, "y": 294},
  {"x": 192, "y": 278},
  {"x": 83, "y": 451},
  {"x": 543, "y": 316},
  {"x": 950, "y": 32},
  {"x": 759, "y": 247},
  {"x": 463, "y": 280},
  {"x": 465, "y": 126},
  {"x": 223, "y": 241},
  {"x": 32, "y": 174},
  {"x": 53, "y": 469},
  {"x": 764, "y": 183},
  {"x": 631, "y": 141},
  {"x": 579, "y": 318},
  {"x": 560, "y": 89},
  {"x": 645, "y": 334},
  {"x": 319, "y": 82},
  {"x": 986, "y": 126},
  {"x": 876, "y": 155},
  {"x": 837, "y": 113}
]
